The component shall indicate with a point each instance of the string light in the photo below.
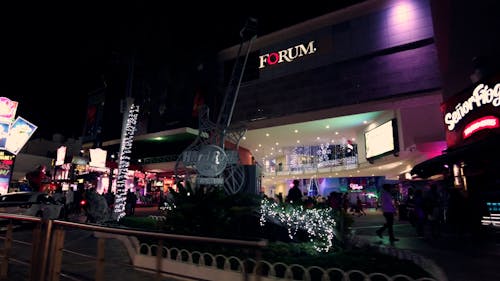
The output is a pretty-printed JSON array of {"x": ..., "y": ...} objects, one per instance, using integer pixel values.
[
  {"x": 124, "y": 161},
  {"x": 318, "y": 223}
]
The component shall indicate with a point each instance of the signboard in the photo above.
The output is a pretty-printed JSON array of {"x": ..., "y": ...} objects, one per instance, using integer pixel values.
[
  {"x": 98, "y": 157},
  {"x": 470, "y": 115},
  {"x": 287, "y": 55},
  {"x": 481, "y": 96},
  {"x": 61, "y": 155},
  {"x": 211, "y": 161},
  {"x": 20, "y": 132},
  {"x": 6, "y": 166}
]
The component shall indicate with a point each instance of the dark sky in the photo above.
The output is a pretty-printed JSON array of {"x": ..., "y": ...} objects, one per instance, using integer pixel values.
[{"x": 54, "y": 54}]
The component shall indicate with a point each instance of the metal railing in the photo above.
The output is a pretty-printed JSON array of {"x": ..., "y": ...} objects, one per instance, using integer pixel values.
[{"x": 48, "y": 240}]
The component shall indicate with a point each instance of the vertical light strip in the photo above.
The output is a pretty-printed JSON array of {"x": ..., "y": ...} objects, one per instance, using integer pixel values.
[{"x": 124, "y": 161}]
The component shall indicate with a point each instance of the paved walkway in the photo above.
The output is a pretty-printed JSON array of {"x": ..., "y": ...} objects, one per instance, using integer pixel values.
[{"x": 461, "y": 258}]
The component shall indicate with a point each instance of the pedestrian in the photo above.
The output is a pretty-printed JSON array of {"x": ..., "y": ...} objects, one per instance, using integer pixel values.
[
  {"x": 130, "y": 202},
  {"x": 359, "y": 207},
  {"x": 419, "y": 212},
  {"x": 294, "y": 194},
  {"x": 432, "y": 203},
  {"x": 388, "y": 209}
]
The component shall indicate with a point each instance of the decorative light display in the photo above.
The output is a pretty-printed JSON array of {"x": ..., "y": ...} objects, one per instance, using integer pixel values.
[
  {"x": 319, "y": 223},
  {"x": 324, "y": 152},
  {"x": 124, "y": 160}
]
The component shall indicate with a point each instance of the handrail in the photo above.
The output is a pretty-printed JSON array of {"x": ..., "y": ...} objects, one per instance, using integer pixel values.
[
  {"x": 258, "y": 243},
  {"x": 48, "y": 241}
]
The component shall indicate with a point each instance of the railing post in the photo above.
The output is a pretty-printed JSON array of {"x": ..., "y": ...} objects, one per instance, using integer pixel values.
[
  {"x": 56, "y": 253},
  {"x": 159, "y": 256},
  {"x": 6, "y": 252},
  {"x": 99, "y": 271},
  {"x": 45, "y": 253},
  {"x": 35, "y": 251},
  {"x": 258, "y": 257}
]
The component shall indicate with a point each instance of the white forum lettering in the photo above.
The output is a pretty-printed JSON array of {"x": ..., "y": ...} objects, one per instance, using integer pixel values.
[
  {"x": 481, "y": 95},
  {"x": 287, "y": 55}
]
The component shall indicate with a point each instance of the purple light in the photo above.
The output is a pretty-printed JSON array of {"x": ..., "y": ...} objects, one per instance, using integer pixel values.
[{"x": 402, "y": 19}]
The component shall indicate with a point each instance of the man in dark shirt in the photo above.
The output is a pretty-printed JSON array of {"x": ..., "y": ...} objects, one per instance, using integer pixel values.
[{"x": 294, "y": 194}]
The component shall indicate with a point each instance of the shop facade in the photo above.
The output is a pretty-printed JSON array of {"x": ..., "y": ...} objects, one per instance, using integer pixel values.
[{"x": 470, "y": 164}]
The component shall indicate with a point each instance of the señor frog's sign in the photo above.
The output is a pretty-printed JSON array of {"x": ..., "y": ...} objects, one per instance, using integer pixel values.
[{"x": 482, "y": 95}]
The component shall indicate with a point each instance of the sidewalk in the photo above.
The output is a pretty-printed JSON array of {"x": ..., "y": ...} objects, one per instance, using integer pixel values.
[{"x": 461, "y": 258}]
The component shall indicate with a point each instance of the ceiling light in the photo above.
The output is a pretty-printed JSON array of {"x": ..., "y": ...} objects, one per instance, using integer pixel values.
[
  {"x": 365, "y": 122},
  {"x": 260, "y": 145},
  {"x": 296, "y": 131},
  {"x": 267, "y": 134},
  {"x": 317, "y": 138},
  {"x": 277, "y": 143},
  {"x": 244, "y": 138},
  {"x": 298, "y": 141},
  {"x": 327, "y": 126},
  {"x": 336, "y": 133}
]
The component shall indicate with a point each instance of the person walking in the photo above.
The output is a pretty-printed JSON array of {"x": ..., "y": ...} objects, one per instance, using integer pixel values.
[
  {"x": 359, "y": 207},
  {"x": 294, "y": 194},
  {"x": 388, "y": 209}
]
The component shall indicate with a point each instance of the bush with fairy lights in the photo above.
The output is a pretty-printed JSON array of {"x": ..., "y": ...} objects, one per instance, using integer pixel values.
[
  {"x": 317, "y": 223},
  {"x": 210, "y": 212}
]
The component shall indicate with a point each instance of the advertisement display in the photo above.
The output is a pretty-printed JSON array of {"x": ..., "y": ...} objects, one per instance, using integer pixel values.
[
  {"x": 382, "y": 140},
  {"x": 19, "y": 133}
]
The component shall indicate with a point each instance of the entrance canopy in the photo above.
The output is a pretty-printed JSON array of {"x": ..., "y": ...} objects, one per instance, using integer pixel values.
[{"x": 483, "y": 150}]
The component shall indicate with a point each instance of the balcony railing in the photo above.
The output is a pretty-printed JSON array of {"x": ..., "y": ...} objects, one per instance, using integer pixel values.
[{"x": 328, "y": 166}]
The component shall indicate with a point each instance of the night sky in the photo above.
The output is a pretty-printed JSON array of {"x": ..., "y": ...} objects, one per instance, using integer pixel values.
[{"x": 53, "y": 55}]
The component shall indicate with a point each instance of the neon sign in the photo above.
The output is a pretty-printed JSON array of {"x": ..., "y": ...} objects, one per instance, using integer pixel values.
[
  {"x": 287, "y": 55},
  {"x": 482, "y": 95},
  {"x": 355, "y": 186},
  {"x": 487, "y": 122}
]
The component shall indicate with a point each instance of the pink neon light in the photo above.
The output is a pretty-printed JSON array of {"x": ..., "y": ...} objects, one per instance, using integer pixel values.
[
  {"x": 275, "y": 60},
  {"x": 486, "y": 122}
]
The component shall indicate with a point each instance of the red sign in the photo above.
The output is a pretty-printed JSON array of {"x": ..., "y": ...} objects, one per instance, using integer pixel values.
[{"x": 487, "y": 122}]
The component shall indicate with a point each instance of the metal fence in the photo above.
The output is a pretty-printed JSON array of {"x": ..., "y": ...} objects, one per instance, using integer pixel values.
[{"x": 41, "y": 253}]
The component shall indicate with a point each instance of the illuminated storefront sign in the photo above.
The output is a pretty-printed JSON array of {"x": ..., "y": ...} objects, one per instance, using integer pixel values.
[
  {"x": 287, "y": 55},
  {"x": 482, "y": 95},
  {"x": 61, "y": 155},
  {"x": 487, "y": 122},
  {"x": 98, "y": 157},
  {"x": 355, "y": 186}
]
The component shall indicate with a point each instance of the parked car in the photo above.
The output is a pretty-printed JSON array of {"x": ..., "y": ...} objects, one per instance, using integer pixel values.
[{"x": 39, "y": 204}]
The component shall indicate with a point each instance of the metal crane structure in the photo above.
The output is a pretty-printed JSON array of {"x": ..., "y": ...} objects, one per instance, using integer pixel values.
[{"x": 213, "y": 159}]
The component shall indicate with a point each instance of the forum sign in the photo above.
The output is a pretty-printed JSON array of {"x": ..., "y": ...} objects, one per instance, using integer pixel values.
[{"x": 14, "y": 133}]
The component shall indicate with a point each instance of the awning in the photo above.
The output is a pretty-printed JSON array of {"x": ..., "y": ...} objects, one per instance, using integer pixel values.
[{"x": 487, "y": 148}]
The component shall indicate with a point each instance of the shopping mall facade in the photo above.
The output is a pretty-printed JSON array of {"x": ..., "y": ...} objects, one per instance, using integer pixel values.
[
  {"x": 313, "y": 94},
  {"x": 345, "y": 101}
]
